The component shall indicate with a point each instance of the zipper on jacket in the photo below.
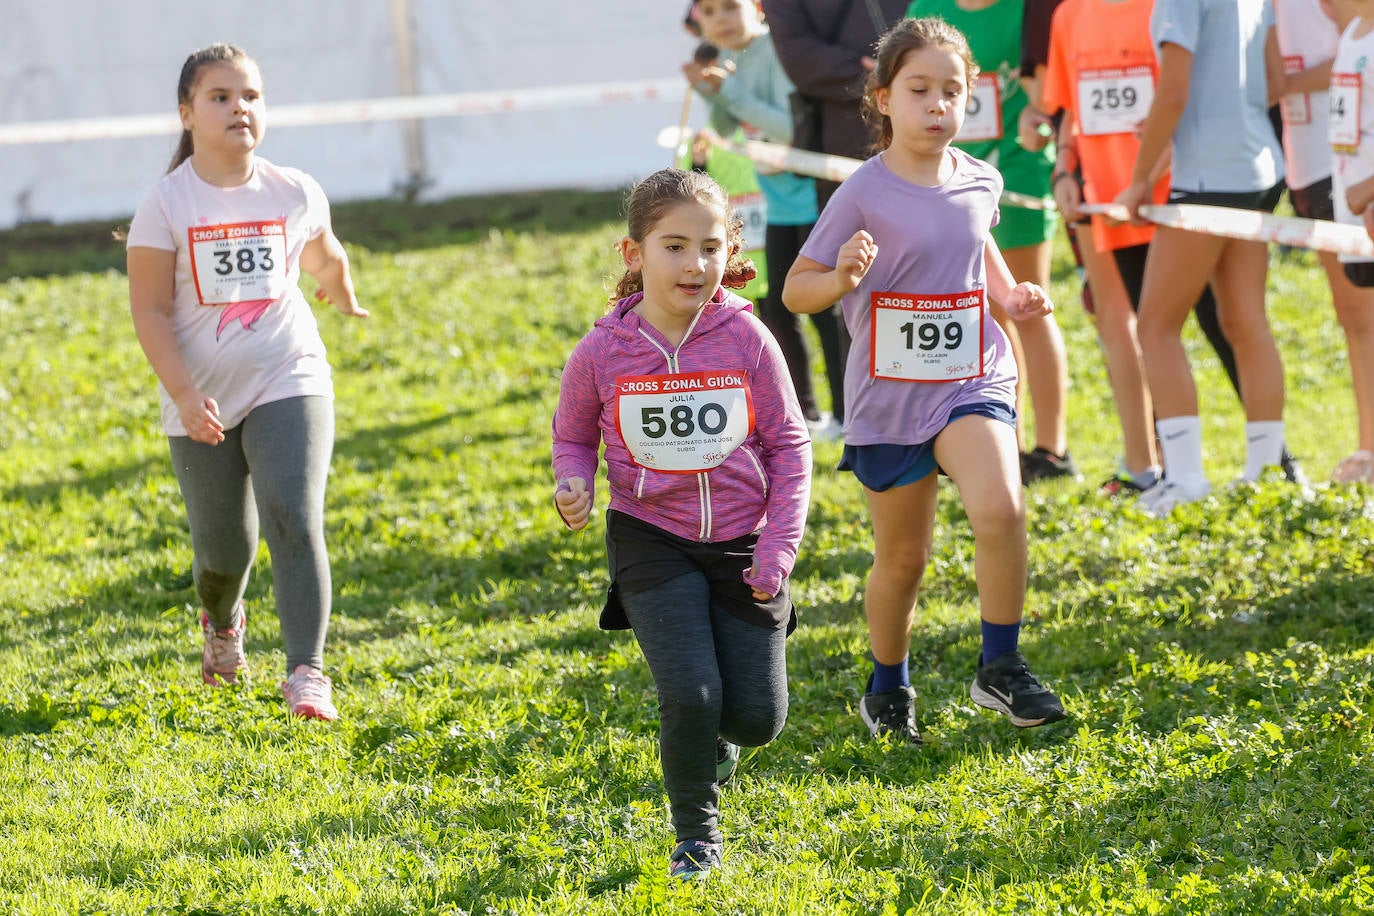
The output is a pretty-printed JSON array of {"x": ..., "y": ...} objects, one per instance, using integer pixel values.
[{"x": 703, "y": 482}]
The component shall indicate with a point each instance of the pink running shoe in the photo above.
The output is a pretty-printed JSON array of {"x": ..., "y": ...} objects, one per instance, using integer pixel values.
[
  {"x": 309, "y": 694},
  {"x": 222, "y": 661}
]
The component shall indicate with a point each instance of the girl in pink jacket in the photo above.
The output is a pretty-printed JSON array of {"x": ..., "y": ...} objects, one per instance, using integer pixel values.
[{"x": 709, "y": 466}]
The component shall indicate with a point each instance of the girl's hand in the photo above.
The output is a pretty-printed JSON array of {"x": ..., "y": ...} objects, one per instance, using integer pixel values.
[
  {"x": 706, "y": 78},
  {"x": 1359, "y": 196},
  {"x": 350, "y": 308},
  {"x": 1368, "y": 217},
  {"x": 855, "y": 258},
  {"x": 1068, "y": 197},
  {"x": 200, "y": 417},
  {"x": 759, "y": 594},
  {"x": 1135, "y": 194},
  {"x": 1034, "y": 129},
  {"x": 1026, "y": 301},
  {"x": 574, "y": 502}
]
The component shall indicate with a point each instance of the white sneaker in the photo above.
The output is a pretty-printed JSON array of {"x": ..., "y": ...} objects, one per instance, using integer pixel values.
[{"x": 1161, "y": 499}]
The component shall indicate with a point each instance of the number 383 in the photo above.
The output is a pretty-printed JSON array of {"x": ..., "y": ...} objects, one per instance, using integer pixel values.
[{"x": 243, "y": 260}]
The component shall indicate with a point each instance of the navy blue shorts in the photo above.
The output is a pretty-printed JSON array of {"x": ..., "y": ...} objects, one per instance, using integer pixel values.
[{"x": 883, "y": 466}]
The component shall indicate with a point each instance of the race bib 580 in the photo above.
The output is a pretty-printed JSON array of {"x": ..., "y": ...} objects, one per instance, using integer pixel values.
[{"x": 684, "y": 423}]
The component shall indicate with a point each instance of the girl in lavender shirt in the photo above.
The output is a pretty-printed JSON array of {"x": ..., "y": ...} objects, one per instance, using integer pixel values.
[{"x": 931, "y": 380}]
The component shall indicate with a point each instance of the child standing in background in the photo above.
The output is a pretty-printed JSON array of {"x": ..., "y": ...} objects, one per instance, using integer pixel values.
[
  {"x": 215, "y": 253},
  {"x": 904, "y": 245},
  {"x": 709, "y": 467},
  {"x": 1225, "y": 154},
  {"x": 1307, "y": 42},
  {"x": 992, "y": 29},
  {"x": 746, "y": 89}
]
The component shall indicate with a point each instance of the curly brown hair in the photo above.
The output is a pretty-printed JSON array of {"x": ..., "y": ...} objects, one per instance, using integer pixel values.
[
  {"x": 651, "y": 198},
  {"x": 906, "y": 36}
]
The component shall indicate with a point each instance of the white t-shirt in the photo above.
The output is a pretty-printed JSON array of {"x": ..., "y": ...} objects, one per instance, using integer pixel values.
[
  {"x": 245, "y": 331},
  {"x": 1307, "y": 37},
  {"x": 1351, "y": 116}
]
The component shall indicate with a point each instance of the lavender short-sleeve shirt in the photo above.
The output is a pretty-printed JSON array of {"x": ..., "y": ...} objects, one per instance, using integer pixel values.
[{"x": 931, "y": 241}]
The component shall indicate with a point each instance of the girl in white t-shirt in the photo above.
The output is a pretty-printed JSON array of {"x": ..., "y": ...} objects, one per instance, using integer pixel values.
[
  {"x": 215, "y": 253},
  {"x": 1348, "y": 154}
]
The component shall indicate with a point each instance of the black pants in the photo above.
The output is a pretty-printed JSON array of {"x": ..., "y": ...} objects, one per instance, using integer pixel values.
[{"x": 715, "y": 675}]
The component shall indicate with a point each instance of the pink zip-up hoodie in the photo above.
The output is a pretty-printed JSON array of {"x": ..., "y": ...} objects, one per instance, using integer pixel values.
[{"x": 764, "y": 485}]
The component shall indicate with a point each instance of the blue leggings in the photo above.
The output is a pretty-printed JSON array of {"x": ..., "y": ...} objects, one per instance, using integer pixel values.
[
  {"x": 271, "y": 466},
  {"x": 716, "y": 676}
]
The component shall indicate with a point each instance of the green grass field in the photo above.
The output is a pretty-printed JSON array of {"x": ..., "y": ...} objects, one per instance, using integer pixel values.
[{"x": 498, "y": 752}]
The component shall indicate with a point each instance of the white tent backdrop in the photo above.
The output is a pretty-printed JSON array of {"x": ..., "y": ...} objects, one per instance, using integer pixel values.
[{"x": 73, "y": 59}]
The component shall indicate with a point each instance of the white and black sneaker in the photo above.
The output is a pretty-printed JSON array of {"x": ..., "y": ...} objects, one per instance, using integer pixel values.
[
  {"x": 1006, "y": 685},
  {"x": 891, "y": 713}
]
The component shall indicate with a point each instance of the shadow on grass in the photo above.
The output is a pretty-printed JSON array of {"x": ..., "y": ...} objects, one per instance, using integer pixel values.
[{"x": 97, "y": 483}]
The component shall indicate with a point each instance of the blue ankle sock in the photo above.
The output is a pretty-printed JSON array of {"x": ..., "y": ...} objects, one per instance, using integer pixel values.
[
  {"x": 890, "y": 677},
  {"x": 999, "y": 639}
]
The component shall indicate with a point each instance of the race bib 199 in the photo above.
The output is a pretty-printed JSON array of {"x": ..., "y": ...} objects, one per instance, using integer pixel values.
[
  {"x": 1344, "y": 96},
  {"x": 927, "y": 338},
  {"x": 684, "y": 423},
  {"x": 238, "y": 262},
  {"x": 1114, "y": 101},
  {"x": 983, "y": 116}
]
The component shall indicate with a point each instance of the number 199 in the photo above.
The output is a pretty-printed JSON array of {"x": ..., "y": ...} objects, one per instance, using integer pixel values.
[{"x": 929, "y": 336}]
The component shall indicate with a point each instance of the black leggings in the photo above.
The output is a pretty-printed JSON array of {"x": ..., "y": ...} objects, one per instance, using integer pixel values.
[
  {"x": 782, "y": 244},
  {"x": 715, "y": 675}
]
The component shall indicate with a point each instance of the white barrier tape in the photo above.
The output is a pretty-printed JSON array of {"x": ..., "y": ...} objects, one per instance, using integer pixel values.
[
  {"x": 824, "y": 165},
  {"x": 398, "y": 108},
  {"x": 1252, "y": 226}
]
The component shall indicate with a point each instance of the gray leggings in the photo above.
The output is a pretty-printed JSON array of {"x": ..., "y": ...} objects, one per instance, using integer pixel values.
[
  {"x": 716, "y": 675},
  {"x": 271, "y": 466}
]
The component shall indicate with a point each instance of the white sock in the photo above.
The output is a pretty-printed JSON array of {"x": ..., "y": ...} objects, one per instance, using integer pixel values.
[
  {"x": 1181, "y": 440},
  {"x": 1263, "y": 446}
]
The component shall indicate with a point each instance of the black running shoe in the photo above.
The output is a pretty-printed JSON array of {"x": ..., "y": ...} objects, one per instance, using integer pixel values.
[
  {"x": 1006, "y": 685},
  {"x": 891, "y": 713},
  {"x": 692, "y": 860},
  {"x": 1043, "y": 464},
  {"x": 1291, "y": 469},
  {"x": 1120, "y": 484}
]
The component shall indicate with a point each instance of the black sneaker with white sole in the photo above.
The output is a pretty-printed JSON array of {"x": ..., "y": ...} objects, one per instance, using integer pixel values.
[
  {"x": 891, "y": 713},
  {"x": 1006, "y": 685}
]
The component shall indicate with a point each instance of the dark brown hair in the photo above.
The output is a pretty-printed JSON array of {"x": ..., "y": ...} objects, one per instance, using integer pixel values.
[
  {"x": 651, "y": 198},
  {"x": 218, "y": 53},
  {"x": 906, "y": 36}
]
